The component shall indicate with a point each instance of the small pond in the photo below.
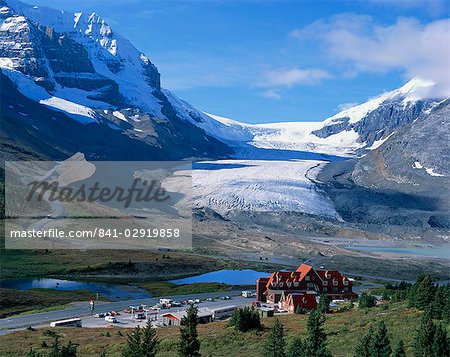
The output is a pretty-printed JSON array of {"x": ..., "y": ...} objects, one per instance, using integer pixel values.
[
  {"x": 113, "y": 292},
  {"x": 236, "y": 277}
]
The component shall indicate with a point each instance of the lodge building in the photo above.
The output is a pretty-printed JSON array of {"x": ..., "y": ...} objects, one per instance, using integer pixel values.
[{"x": 302, "y": 287}]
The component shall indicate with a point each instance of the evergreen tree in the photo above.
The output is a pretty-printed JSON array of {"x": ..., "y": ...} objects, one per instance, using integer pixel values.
[
  {"x": 362, "y": 349},
  {"x": 189, "y": 345},
  {"x": 55, "y": 347},
  {"x": 399, "y": 350},
  {"x": 134, "y": 341},
  {"x": 324, "y": 304},
  {"x": 69, "y": 350},
  {"x": 380, "y": 345},
  {"x": 424, "y": 336},
  {"x": 366, "y": 301},
  {"x": 424, "y": 293},
  {"x": 275, "y": 344},
  {"x": 440, "y": 342},
  {"x": 245, "y": 319},
  {"x": 297, "y": 348},
  {"x": 316, "y": 342},
  {"x": 149, "y": 341},
  {"x": 33, "y": 353}
]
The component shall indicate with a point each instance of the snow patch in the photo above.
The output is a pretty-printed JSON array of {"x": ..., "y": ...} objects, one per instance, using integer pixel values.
[
  {"x": 377, "y": 143},
  {"x": 428, "y": 170},
  {"x": 431, "y": 172},
  {"x": 120, "y": 116},
  {"x": 38, "y": 94}
]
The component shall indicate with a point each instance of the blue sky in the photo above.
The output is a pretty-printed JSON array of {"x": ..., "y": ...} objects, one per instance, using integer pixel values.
[{"x": 263, "y": 61}]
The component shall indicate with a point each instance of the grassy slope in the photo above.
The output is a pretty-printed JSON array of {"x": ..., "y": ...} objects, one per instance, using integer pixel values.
[
  {"x": 15, "y": 301},
  {"x": 113, "y": 265},
  {"x": 344, "y": 330}
]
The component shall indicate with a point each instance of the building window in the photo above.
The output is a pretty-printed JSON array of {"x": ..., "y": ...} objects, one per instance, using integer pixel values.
[
  {"x": 345, "y": 289},
  {"x": 325, "y": 283},
  {"x": 335, "y": 282},
  {"x": 325, "y": 289},
  {"x": 335, "y": 288}
]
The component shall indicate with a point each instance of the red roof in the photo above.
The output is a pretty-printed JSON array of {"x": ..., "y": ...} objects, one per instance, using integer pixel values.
[{"x": 303, "y": 269}]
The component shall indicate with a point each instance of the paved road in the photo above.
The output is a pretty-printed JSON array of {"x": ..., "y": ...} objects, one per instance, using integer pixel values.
[{"x": 18, "y": 322}]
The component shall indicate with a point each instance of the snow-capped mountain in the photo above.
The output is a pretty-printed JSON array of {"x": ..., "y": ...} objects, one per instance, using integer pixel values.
[
  {"x": 75, "y": 65},
  {"x": 353, "y": 131}
]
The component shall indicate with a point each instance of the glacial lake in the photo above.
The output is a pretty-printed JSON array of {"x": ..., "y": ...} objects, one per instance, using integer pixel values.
[
  {"x": 112, "y": 292},
  {"x": 423, "y": 251},
  {"x": 236, "y": 277}
]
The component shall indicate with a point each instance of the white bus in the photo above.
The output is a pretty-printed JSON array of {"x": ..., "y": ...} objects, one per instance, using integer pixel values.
[
  {"x": 75, "y": 322},
  {"x": 222, "y": 312}
]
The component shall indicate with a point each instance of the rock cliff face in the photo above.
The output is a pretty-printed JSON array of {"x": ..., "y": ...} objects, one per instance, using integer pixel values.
[
  {"x": 77, "y": 65},
  {"x": 378, "y": 118},
  {"x": 413, "y": 160}
]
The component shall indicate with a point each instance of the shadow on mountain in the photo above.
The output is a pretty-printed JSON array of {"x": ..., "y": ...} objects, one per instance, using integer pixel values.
[
  {"x": 212, "y": 166},
  {"x": 249, "y": 152}
]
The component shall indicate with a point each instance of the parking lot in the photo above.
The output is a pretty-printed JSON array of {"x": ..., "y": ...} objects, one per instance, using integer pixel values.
[{"x": 127, "y": 319}]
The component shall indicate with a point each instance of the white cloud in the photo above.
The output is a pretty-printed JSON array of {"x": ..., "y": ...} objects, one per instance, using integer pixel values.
[
  {"x": 292, "y": 76},
  {"x": 271, "y": 94},
  {"x": 407, "y": 45}
]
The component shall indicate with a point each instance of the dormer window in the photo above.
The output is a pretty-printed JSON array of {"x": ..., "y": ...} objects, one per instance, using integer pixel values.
[
  {"x": 289, "y": 284},
  {"x": 296, "y": 284},
  {"x": 345, "y": 282},
  {"x": 281, "y": 284},
  {"x": 325, "y": 283},
  {"x": 335, "y": 282},
  {"x": 328, "y": 276},
  {"x": 307, "y": 278},
  {"x": 274, "y": 285}
]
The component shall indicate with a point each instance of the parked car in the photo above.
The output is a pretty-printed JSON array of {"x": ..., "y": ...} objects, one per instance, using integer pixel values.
[
  {"x": 111, "y": 319},
  {"x": 156, "y": 307},
  {"x": 225, "y": 298},
  {"x": 209, "y": 299},
  {"x": 101, "y": 314}
]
